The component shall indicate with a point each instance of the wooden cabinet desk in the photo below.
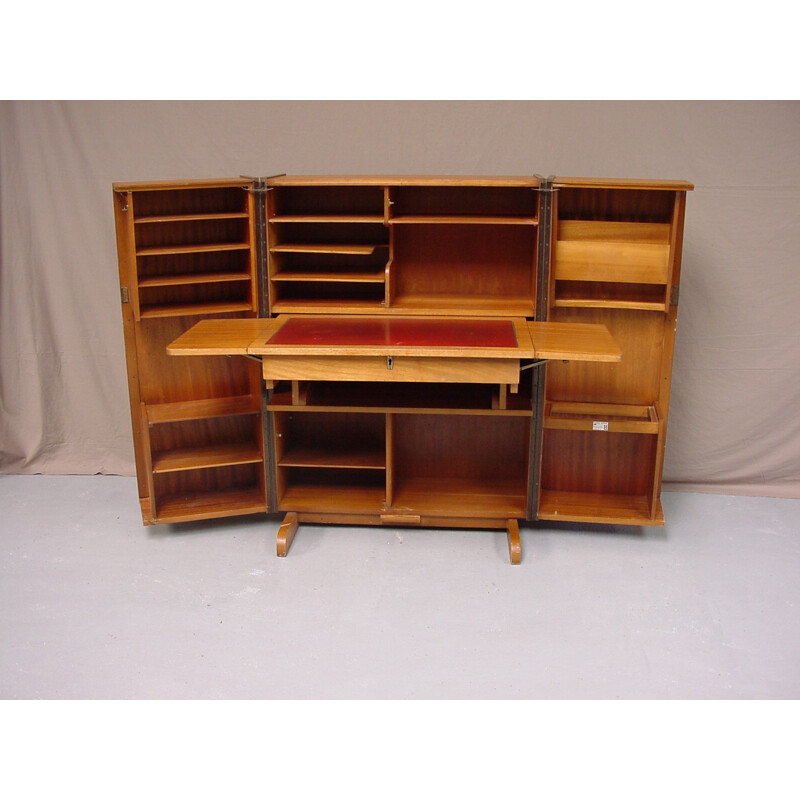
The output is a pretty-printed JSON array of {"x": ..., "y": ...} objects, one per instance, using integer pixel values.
[{"x": 400, "y": 350}]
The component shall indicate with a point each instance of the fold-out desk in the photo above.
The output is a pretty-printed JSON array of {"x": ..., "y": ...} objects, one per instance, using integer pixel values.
[{"x": 312, "y": 351}]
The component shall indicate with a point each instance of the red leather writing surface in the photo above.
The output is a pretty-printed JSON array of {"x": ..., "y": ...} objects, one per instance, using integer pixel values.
[{"x": 396, "y": 332}]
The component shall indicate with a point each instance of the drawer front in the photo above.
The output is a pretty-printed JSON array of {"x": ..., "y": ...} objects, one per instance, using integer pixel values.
[{"x": 399, "y": 368}]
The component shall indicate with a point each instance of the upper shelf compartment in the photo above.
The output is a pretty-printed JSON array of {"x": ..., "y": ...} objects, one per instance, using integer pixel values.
[
  {"x": 482, "y": 205},
  {"x": 613, "y": 248}
]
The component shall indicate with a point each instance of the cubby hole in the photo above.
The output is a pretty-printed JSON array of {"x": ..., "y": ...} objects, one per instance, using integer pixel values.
[
  {"x": 465, "y": 267},
  {"x": 458, "y": 464},
  {"x": 598, "y": 474},
  {"x": 327, "y": 201},
  {"x": 466, "y": 201},
  {"x": 195, "y": 298},
  {"x": 202, "y": 443},
  {"x": 194, "y": 267},
  {"x": 192, "y": 233},
  {"x": 213, "y": 492},
  {"x": 173, "y": 202}
]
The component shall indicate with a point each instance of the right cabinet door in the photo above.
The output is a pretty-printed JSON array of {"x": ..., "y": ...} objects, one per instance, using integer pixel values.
[{"x": 616, "y": 250}]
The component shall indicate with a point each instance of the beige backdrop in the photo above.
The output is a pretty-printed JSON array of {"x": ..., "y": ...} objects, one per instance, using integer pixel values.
[{"x": 735, "y": 413}]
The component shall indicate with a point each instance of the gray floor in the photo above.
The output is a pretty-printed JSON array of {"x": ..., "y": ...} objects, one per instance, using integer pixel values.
[{"x": 93, "y": 605}]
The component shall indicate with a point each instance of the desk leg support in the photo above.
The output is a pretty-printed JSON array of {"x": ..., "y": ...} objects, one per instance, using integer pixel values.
[
  {"x": 514, "y": 544},
  {"x": 286, "y": 533}
]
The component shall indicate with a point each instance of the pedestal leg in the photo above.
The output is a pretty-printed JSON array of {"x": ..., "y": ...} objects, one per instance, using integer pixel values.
[
  {"x": 286, "y": 533},
  {"x": 514, "y": 544}
]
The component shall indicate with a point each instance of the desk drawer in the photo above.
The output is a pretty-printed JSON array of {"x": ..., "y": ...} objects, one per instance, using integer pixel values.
[{"x": 397, "y": 368}]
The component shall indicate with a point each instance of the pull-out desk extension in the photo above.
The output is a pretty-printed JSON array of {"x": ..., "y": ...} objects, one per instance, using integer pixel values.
[{"x": 370, "y": 455}]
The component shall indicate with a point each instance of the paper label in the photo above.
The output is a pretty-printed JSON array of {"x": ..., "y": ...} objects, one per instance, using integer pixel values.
[{"x": 599, "y": 426}]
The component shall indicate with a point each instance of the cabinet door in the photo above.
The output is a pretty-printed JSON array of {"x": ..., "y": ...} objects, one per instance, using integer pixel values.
[
  {"x": 616, "y": 262},
  {"x": 187, "y": 252}
]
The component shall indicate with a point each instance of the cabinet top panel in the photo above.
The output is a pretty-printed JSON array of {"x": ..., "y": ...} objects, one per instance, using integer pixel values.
[
  {"x": 623, "y": 183},
  {"x": 404, "y": 180},
  {"x": 210, "y": 183}
]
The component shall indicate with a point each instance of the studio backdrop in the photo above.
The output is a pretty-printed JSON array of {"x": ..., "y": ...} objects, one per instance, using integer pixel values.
[{"x": 735, "y": 407}]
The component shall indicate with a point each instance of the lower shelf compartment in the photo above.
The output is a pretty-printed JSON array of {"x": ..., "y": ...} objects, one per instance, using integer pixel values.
[
  {"x": 206, "y": 505},
  {"x": 460, "y": 497},
  {"x": 598, "y": 508},
  {"x": 332, "y": 498}
]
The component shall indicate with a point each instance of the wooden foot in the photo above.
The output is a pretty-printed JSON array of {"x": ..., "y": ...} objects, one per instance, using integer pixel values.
[
  {"x": 286, "y": 533},
  {"x": 514, "y": 544}
]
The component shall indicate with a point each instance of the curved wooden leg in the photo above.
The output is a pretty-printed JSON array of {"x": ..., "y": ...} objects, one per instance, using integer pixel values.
[
  {"x": 514, "y": 544},
  {"x": 286, "y": 533}
]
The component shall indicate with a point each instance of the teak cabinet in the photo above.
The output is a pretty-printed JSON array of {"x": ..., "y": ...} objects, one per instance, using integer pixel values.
[{"x": 400, "y": 350}]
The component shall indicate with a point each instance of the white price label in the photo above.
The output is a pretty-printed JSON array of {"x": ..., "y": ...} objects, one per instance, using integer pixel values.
[{"x": 599, "y": 426}]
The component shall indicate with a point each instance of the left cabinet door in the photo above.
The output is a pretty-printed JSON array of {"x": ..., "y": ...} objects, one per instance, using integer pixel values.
[{"x": 188, "y": 251}]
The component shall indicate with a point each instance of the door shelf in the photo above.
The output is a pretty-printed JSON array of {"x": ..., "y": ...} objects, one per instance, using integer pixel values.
[
  {"x": 601, "y": 417},
  {"x": 192, "y": 278},
  {"x": 168, "y": 250},
  {"x": 191, "y": 217},
  {"x": 193, "y": 309},
  {"x": 190, "y": 458},
  {"x": 187, "y": 507},
  {"x": 592, "y": 507},
  {"x": 187, "y": 410}
]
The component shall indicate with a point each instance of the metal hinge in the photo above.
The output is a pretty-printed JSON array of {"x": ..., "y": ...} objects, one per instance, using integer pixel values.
[
  {"x": 123, "y": 290},
  {"x": 673, "y": 296}
]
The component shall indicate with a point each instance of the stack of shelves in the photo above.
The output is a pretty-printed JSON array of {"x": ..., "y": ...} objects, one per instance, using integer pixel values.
[
  {"x": 188, "y": 252},
  {"x": 615, "y": 260}
]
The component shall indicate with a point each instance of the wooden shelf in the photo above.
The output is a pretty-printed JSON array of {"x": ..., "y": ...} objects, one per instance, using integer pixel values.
[
  {"x": 208, "y": 505},
  {"x": 205, "y": 457},
  {"x": 193, "y": 309},
  {"x": 178, "y": 249},
  {"x": 462, "y": 304},
  {"x": 343, "y": 499},
  {"x": 460, "y": 219},
  {"x": 592, "y": 416},
  {"x": 317, "y": 306},
  {"x": 373, "y": 219},
  {"x": 458, "y": 497},
  {"x": 417, "y": 398},
  {"x": 338, "y": 249},
  {"x": 191, "y": 217},
  {"x": 640, "y": 305},
  {"x": 198, "y": 277},
  {"x": 182, "y": 411},
  {"x": 340, "y": 459},
  {"x": 591, "y": 507},
  {"x": 330, "y": 277}
]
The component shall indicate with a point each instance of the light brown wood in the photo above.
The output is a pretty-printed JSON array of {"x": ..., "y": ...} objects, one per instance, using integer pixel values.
[
  {"x": 443, "y": 437},
  {"x": 614, "y": 261},
  {"x": 623, "y": 183},
  {"x": 404, "y": 368},
  {"x": 403, "y": 180},
  {"x": 286, "y": 533},
  {"x": 222, "y": 337},
  {"x": 514, "y": 543},
  {"x": 573, "y": 342}
]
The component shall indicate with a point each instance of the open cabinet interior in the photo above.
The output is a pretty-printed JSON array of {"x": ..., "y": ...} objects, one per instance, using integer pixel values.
[
  {"x": 616, "y": 259},
  {"x": 410, "y": 350},
  {"x": 187, "y": 253}
]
